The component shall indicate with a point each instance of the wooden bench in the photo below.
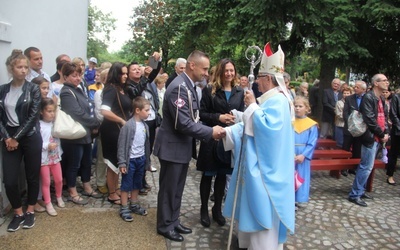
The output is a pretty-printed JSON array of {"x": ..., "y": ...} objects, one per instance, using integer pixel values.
[
  {"x": 331, "y": 154},
  {"x": 342, "y": 164},
  {"x": 326, "y": 143}
]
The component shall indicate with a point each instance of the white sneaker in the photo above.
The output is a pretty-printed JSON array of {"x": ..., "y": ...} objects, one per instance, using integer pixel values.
[
  {"x": 50, "y": 209},
  {"x": 153, "y": 169},
  {"x": 60, "y": 202}
]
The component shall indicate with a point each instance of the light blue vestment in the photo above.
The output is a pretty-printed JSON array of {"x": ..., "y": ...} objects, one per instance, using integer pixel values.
[
  {"x": 305, "y": 144},
  {"x": 266, "y": 186}
]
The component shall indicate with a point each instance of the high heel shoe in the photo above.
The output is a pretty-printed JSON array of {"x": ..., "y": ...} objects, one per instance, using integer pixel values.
[
  {"x": 391, "y": 183},
  {"x": 217, "y": 217},
  {"x": 204, "y": 218}
]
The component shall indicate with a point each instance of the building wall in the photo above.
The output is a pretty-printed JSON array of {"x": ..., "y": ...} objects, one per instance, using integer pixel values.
[{"x": 55, "y": 27}]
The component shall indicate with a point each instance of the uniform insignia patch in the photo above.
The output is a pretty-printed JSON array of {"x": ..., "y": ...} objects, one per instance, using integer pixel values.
[{"x": 180, "y": 103}]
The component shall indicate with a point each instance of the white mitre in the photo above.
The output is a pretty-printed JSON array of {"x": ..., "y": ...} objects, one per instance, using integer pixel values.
[{"x": 274, "y": 64}]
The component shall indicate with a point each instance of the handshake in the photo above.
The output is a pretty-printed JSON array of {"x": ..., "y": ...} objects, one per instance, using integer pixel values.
[{"x": 218, "y": 132}]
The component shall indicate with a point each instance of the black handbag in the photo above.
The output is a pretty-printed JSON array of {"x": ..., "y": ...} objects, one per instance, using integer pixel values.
[{"x": 219, "y": 153}]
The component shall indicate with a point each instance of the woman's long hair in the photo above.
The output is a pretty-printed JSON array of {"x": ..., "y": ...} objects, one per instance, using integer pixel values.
[
  {"x": 114, "y": 74},
  {"x": 219, "y": 75}
]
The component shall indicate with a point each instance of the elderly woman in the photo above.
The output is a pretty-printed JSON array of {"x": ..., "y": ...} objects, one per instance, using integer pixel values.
[
  {"x": 77, "y": 152},
  {"x": 219, "y": 98},
  {"x": 302, "y": 90},
  {"x": 116, "y": 109},
  {"x": 19, "y": 114}
]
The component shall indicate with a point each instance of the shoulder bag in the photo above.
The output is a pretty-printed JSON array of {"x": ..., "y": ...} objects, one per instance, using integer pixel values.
[
  {"x": 356, "y": 124},
  {"x": 65, "y": 127}
]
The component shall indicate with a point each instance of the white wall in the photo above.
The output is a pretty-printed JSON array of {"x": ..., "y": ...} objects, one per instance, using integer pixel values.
[{"x": 55, "y": 27}]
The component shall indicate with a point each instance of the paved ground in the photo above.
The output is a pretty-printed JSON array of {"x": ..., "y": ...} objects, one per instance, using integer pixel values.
[{"x": 329, "y": 221}]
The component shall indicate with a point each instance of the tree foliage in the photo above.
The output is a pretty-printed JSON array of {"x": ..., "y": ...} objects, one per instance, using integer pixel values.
[
  {"x": 361, "y": 34},
  {"x": 99, "y": 25}
]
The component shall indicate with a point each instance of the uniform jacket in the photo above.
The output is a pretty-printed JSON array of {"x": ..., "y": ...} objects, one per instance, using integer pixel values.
[
  {"x": 27, "y": 109},
  {"x": 174, "y": 140}
]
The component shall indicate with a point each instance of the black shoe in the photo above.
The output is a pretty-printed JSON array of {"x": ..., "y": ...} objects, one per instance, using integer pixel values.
[
  {"x": 172, "y": 235},
  {"x": 204, "y": 218},
  {"x": 344, "y": 172},
  {"x": 182, "y": 229},
  {"x": 358, "y": 201},
  {"x": 16, "y": 222},
  {"x": 391, "y": 183},
  {"x": 29, "y": 220},
  {"x": 217, "y": 216},
  {"x": 367, "y": 196},
  {"x": 352, "y": 171}
]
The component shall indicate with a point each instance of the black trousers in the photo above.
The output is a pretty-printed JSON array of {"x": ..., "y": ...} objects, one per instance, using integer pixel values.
[
  {"x": 30, "y": 150},
  {"x": 394, "y": 152},
  {"x": 353, "y": 143},
  {"x": 172, "y": 182}
]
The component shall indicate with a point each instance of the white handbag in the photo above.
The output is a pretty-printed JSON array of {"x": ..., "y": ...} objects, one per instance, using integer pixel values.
[{"x": 65, "y": 127}]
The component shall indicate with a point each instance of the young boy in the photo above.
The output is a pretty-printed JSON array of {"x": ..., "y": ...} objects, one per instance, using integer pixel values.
[{"x": 133, "y": 156}]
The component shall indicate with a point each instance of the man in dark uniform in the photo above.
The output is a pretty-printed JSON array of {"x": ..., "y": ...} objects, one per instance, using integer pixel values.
[{"x": 175, "y": 143}]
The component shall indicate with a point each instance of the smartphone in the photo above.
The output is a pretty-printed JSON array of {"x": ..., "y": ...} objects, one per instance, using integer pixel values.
[{"x": 152, "y": 62}]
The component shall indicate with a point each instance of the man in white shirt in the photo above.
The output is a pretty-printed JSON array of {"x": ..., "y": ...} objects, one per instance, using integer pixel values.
[{"x": 35, "y": 63}]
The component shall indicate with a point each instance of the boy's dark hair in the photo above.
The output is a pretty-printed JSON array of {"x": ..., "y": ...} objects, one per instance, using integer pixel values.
[{"x": 139, "y": 103}]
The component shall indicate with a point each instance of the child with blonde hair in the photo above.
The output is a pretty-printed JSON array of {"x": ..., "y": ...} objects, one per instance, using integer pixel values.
[{"x": 306, "y": 135}]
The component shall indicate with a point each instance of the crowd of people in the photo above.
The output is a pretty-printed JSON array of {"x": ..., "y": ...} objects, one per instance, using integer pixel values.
[{"x": 131, "y": 111}]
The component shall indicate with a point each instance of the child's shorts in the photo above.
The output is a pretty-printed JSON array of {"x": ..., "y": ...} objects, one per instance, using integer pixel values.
[{"x": 133, "y": 179}]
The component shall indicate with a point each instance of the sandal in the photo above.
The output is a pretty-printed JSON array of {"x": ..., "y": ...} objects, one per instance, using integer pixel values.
[
  {"x": 92, "y": 194},
  {"x": 125, "y": 214},
  {"x": 115, "y": 201},
  {"x": 137, "y": 209},
  {"x": 77, "y": 199}
]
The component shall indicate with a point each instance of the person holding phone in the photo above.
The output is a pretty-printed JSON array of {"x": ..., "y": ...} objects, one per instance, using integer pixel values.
[{"x": 140, "y": 85}]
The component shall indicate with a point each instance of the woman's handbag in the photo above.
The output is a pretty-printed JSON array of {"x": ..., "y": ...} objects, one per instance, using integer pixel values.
[
  {"x": 219, "y": 153},
  {"x": 65, "y": 127}
]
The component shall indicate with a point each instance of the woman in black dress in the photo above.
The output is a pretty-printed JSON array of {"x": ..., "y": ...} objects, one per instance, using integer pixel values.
[
  {"x": 219, "y": 98},
  {"x": 116, "y": 109}
]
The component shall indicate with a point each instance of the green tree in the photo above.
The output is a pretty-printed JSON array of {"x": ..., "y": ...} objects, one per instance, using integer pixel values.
[{"x": 99, "y": 25}]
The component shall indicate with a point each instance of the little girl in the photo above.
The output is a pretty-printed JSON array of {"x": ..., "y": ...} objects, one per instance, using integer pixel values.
[
  {"x": 306, "y": 134},
  {"x": 51, "y": 156},
  {"x": 44, "y": 86}
]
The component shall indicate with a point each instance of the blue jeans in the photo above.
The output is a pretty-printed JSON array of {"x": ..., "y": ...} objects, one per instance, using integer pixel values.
[
  {"x": 363, "y": 170},
  {"x": 132, "y": 180}
]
